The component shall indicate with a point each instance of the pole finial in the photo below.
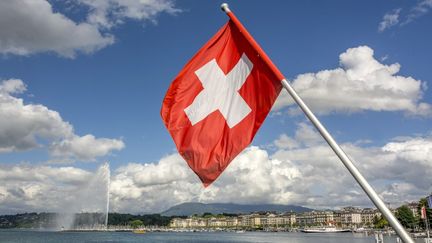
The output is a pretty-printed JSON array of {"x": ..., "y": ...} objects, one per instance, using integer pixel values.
[{"x": 225, "y": 7}]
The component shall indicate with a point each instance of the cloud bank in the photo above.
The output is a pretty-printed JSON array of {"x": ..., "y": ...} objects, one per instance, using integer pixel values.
[
  {"x": 29, "y": 126},
  {"x": 24, "y": 31},
  {"x": 361, "y": 83},
  {"x": 252, "y": 177},
  {"x": 420, "y": 9},
  {"x": 304, "y": 173},
  {"x": 390, "y": 19},
  {"x": 109, "y": 13},
  {"x": 41, "y": 188},
  {"x": 26, "y": 188},
  {"x": 395, "y": 18}
]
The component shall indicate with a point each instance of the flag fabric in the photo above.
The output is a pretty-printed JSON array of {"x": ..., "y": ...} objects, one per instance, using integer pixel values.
[
  {"x": 423, "y": 212},
  {"x": 218, "y": 101},
  {"x": 429, "y": 200}
]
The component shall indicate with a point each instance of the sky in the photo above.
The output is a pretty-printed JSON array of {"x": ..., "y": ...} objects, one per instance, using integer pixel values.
[{"x": 82, "y": 83}]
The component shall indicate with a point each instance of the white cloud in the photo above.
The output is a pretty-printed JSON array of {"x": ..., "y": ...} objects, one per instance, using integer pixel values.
[
  {"x": 390, "y": 19},
  {"x": 285, "y": 142},
  {"x": 361, "y": 83},
  {"x": 420, "y": 9},
  {"x": 307, "y": 136},
  {"x": 417, "y": 150},
  {"x": 108, "y": 13},
  {"x": 23, "y": 172},
  {"x": 153, "y": 187},
  {"x": 393, "y": 192},
  {"x": 394, "y": 17},
  {"x": 27, "y": 126},
  {"x": 22, "y": 124},
  {"x": 31, "y": 26},
  {"x": 307, "y": 174},
  {"x": 25, "y": 188},
  {"x": 41, "y": 188},
  {"x": 384, "y": 167},
  {"x": 85, "y": 148},
  {"x": 304, "y": 136},
  {"x": 304, "y": 173},
  {"x": 251, "y": 177},
  {"x": 12, "y": 86}
]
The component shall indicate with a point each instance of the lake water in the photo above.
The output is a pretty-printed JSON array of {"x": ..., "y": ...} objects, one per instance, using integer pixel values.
[
  {"x": 22, "y": 236},
  {"x": 207, "y": 237}
]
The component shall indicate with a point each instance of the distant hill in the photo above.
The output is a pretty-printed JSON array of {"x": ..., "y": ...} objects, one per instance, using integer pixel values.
[{"x": 187, "y": 209}]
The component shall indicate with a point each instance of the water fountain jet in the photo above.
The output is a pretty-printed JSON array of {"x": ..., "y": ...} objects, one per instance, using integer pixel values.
[{"x": 89, "y": 204}]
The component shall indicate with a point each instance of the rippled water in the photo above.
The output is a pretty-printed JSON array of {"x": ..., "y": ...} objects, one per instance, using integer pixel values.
[{"x": 260, "y": 237}]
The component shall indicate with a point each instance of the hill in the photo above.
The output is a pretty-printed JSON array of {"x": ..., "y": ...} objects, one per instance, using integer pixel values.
[{"x": 186, "y": 209}]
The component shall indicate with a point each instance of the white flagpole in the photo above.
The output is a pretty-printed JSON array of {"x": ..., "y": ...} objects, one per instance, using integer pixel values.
[{"x": 403, "y": 234}]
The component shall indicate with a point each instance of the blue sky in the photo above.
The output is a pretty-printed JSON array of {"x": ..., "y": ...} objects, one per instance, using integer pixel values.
[{"x": 110, "y": 81}]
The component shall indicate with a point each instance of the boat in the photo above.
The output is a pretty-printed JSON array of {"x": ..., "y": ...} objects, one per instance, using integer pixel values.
[
  {"x": 139, "y": 231},
  {"x": 359, "y": 230},
  {"x": 325, "y": 230}
]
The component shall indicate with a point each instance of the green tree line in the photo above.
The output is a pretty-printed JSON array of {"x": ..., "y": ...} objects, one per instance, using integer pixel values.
[
  {"x": 48, "y": 220},
  {"x": 146, "y": 219},
  {"x": 407, "y": 218}
]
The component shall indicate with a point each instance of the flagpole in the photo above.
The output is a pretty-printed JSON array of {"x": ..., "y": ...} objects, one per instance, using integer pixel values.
[{"x": 403, "y": 234}]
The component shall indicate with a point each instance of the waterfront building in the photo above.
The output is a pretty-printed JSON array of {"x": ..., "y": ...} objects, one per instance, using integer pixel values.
[
  {"x": 245, "y": 220},
  {"x": 178, "y": 223},
  {"x": 188, "y": 223},
  {"x": 350, "y": 209},
  {"x": 256, "y": 220},
  {"x": 273, "y": 220},
  {"x": 306, "y": 218},
  {"x": 348, "y": 217},
  {"x": 337, "y": 218},
  {"x": 323, "y": 218},
  {"x": 413, "y": 206},
  {"x": 289, "y": 219},
  {"x": 233, "y": 222},
  {"x": 368, "y": 216},
  {"x": 217, "y": 222}
]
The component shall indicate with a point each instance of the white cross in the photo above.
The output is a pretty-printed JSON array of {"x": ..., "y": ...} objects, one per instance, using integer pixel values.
[{"x": 221, "y": 92}]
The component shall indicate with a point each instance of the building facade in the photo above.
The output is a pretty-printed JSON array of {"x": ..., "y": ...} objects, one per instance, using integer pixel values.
[{"x": 348, "y": 217}]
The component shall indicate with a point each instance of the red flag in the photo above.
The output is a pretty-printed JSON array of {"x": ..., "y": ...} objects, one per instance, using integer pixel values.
[
  {"x": 218, "y": 101},
  {"x": 423, "y": 212}
]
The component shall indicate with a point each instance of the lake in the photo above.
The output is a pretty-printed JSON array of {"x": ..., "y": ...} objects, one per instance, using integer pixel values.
[{"x": 207, "y": 237}]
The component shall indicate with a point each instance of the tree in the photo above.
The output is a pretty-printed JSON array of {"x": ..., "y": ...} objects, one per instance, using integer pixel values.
[
  {"x": 208, "y": 215},
  {"x": 147, "y": 219},
  {"x": 136, "y": 223},
  {"x": 380, "y": 222},
  {"x": 423, "y": 203},
  {"x": 406, "y": 217}
]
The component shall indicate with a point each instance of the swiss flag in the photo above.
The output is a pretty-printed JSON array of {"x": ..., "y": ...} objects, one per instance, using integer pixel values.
[
  {"x": 216, "y": 104},
  {"x": 423, "y": 212}
]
